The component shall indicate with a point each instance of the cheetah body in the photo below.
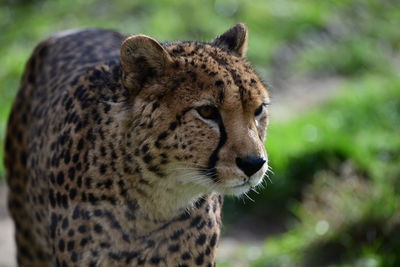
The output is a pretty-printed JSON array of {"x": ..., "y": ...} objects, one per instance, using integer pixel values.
[{"x": 109, "y": 162}]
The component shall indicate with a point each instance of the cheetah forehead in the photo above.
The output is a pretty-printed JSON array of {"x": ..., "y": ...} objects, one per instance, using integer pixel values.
[{"x": 205, "y": 69}]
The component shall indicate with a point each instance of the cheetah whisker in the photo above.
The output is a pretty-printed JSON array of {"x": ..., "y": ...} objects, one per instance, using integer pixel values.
[
  {"x": 252, "y": 200},
  {"x": 269, "y": 169},
  {"x": 254, "y": 190}
]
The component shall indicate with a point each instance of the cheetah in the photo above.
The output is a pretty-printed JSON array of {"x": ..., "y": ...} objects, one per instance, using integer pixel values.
[{"x": 119, "y": 149}]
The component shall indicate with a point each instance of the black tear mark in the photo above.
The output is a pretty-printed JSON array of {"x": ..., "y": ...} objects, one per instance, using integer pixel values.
[{"x": 212, "y": 161}]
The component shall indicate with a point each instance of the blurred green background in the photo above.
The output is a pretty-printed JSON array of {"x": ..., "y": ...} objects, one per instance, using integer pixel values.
[{"x": 333, "y": 198}]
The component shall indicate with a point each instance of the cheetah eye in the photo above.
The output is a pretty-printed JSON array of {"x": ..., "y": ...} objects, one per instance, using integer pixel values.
[
  {"x": 259, "y": 110},
  {"x": 208, "y": 112}
]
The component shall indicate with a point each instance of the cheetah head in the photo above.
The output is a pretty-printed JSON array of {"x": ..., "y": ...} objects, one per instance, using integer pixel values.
[{"x": 198, "y": 112}]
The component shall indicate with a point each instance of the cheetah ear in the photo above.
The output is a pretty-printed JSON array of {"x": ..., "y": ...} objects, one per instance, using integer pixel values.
[
  {"x": 142, "y": 59},
  {"x": 234, "y": 40}
]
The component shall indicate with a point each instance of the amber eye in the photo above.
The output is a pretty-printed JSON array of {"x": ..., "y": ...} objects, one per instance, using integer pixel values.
[
  {"x": 259, "y": 110},
  {"x": 208, "y": 112}
]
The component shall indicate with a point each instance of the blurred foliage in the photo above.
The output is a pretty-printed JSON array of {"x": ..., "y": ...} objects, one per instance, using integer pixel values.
[
  {"x": 339, "y": 175},
  {"x": 336, "y": 181}
]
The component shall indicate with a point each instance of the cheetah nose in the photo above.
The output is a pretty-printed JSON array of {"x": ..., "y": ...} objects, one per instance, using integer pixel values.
[{"x": 250, "y": 165}]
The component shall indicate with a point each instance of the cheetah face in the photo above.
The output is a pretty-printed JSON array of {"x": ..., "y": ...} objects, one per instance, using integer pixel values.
[
  {"x": 238, "y": 161},
  {"x": 200, "y": 112}
]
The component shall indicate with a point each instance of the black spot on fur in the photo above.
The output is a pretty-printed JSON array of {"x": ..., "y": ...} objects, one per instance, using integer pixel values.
[
  {"x": 213, "y": 240},
  {"x": 173, "y": 125},
  {"x": 201, "y": 239},
  {"x": 60, "y": 178},
  {"x": 177, "y": 234},
  {"x": 219, "y": 83},
  {"x": 195, "y": 221},
  {"x": 174, "y": 248},
  {"x": 186, "y": 256},
  {"x": 155, "y": 260},
  {"x": 200, "y": 259}
]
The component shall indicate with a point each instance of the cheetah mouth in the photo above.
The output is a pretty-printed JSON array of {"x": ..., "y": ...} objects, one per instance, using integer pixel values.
[
  {"x": 237, "y": 190},
  {"x": 218, "y": 180},
  {"x": 250, "y": 182},
  {"x": 241, "y": 185}
]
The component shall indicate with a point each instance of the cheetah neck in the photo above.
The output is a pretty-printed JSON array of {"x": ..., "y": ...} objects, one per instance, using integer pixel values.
[{"x": 160, "y": 201}]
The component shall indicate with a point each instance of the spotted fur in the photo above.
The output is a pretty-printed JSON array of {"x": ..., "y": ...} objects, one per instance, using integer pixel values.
[{"x": 109, "y": 159}]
